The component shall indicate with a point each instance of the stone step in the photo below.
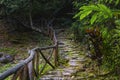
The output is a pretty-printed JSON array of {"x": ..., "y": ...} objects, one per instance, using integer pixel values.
[
  {"x": 70, "y": 70},
  {"x": 74, "y": 62},
  {"x": 56, "y": 72},
  {"x": 61, "y": 78}
]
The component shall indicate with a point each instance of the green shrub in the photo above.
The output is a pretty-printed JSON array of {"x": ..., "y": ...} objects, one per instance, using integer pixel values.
[{"x": 108, "y": 42}]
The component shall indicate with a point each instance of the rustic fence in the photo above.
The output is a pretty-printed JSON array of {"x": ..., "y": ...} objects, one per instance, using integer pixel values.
[{"x": 29, "y": 68}]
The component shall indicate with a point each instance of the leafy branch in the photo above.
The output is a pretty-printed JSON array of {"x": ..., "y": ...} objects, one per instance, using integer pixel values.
[{"x": 99, "y": 13}]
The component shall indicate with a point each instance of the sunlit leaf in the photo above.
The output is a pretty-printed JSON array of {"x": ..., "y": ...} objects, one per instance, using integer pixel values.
[
  {"x": 82, "y": 16},
  {"x": 94, "y": 17}
]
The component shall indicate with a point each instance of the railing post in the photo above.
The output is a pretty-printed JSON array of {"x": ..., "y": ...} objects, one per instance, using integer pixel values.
[
  {"x": 37, "y": 62},
  {"x": 25, "y": 73},
  {"x": 56, "y": 55},
  {"x": 30, "y": 68}
]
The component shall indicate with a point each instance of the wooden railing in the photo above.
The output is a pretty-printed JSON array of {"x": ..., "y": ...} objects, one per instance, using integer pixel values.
[{"x": 29, "y": 68}]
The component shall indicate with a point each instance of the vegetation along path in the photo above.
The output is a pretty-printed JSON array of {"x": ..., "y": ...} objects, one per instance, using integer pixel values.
[{"x": 69, "y": 54}]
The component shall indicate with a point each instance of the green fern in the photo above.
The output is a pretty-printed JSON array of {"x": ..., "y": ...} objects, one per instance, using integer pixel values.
[
  {"x": 116, "y": 32},
  {"x": 99, "y": 13}
]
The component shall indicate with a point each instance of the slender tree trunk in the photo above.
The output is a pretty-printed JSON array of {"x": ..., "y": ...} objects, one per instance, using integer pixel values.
[{"x": 30, "y": 13}]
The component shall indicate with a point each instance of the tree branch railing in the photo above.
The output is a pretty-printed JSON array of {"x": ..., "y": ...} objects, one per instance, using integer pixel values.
[{"x": 29, "y": 68}]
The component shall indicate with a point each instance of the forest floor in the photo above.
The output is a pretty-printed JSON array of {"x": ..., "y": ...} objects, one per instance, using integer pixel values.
[{"x": 17, "y": 42}]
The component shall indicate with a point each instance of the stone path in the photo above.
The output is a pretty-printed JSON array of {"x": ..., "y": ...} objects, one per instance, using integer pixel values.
[{"x": 67, "y": 51}]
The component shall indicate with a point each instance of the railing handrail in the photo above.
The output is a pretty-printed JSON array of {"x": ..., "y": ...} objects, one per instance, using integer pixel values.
[
  {"x": 17, "y": 67},
  {"x": 32, "y": 52}
]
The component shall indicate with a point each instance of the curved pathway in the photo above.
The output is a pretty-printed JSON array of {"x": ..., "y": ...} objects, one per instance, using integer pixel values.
[{"x": 69, "y": 52}]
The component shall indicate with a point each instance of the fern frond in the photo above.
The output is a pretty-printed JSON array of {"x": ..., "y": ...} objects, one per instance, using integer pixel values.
[
  {"x": 99, "y": 13},
  {"x": 82, "y": 16},
  {"x": 93, "y": 19},
  {"x": 117, "y": 22},
  {"x": 105, "y": 10}
]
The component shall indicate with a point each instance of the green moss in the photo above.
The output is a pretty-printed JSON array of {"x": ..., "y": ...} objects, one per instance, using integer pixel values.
[{"x": 11, "y": 51}]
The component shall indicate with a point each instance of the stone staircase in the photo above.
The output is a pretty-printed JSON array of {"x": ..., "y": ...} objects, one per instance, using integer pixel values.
[{"x": 76, "y": 59}]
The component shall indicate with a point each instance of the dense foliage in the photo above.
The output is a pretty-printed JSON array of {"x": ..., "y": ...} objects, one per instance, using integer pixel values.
[
  {"x": 39, "y": 7},
  {"x": 8, "y": 7},
  {"x": 100, "y": 23}
]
